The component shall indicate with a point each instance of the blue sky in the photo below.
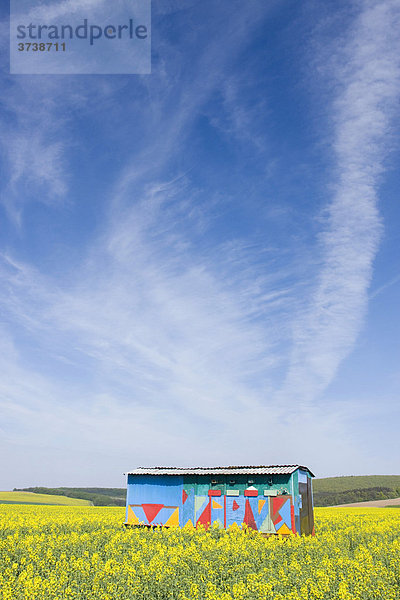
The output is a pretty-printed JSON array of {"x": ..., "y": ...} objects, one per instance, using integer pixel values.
[{"x": 201, "y": 266}]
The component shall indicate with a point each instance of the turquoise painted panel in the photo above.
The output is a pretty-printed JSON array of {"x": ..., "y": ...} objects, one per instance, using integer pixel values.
[{"x": 202, "y": 489}]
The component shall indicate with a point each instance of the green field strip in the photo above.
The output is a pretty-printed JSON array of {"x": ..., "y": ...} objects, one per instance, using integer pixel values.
[{"x": 40, "y": 499}]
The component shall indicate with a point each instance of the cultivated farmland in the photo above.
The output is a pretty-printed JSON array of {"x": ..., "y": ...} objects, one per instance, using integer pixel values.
[
  {"x": 29, "y": 498},
  {"x": 333, "y": 491},
  {"x": 54, "y": 553}
]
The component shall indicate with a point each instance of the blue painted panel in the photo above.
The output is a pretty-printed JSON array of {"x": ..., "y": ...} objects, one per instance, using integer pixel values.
[
  {"x": 163, "y": 516},
  {"x": 235, "y": 516},
  {"x": 217, "y": 510},
  {"x": 297, "y": 523},
  {"x": 187, "y": 511},
  {"x": 303, "y": 476},
  {"x": 139, "y": 512},
  {"x": 148, "y": 489},
  {"x": 297, "y": 506},
  {"x": 200, "y": 504},
  {"x": 285, "y": 513},
  {"x": 259, "y": 517},
  {"x": 297, "y": 503}
]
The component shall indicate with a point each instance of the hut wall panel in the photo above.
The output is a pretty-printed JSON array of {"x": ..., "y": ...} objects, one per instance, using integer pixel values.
[
  {"x": 154, "y": 502},
  {"x": 165, "y": 489},
  {"x": 235, "y": 507},
  {"x": 187, "y": 514}
]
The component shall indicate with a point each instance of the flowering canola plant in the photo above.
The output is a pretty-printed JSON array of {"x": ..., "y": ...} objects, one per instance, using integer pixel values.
[{"x": 68, "y": 553}]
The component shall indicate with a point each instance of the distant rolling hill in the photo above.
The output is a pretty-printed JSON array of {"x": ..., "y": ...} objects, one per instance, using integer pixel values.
[
  {"x": 31, "y": 498},
  {"x": 332, "y": 491}
]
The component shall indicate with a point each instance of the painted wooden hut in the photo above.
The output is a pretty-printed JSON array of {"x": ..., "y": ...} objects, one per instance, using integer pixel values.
[{"x": 273, "y": 499}]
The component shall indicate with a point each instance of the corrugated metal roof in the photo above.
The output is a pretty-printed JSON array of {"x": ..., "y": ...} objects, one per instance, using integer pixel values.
[{"x": 237, "y": 470}]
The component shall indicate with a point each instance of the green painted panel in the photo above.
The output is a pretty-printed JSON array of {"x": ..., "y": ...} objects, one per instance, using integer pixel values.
[
  {"x": 295, "y": 479},
  {"x": 203, "y": 483}
]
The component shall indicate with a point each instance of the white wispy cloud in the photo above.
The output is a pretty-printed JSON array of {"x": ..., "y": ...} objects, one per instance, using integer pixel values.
[
  {"x": 366, "y": 82},
  {"x": 33, "y": 141},
  {"x": 164, "y": 331},
  {"x": 36, "y": 137},
  {"x": 51, "y": 11},
  {"x": 161, "y": 339},
  {"x": 157, "y": 310},
  {"x": 240, "y": 119},
  {"x": 172, "y": 115},
  {"x": 163, "y": 336}
]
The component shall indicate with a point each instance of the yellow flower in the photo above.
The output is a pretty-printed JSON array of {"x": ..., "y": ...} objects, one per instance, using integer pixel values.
[{"x": 79, "y": 553}]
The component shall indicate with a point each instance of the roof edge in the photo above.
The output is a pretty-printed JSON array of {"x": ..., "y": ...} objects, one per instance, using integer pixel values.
[{"x": 237, "y": 469}]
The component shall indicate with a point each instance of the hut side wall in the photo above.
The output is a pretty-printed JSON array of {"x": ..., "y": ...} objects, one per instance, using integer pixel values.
[{"x": 306, "y": 503}]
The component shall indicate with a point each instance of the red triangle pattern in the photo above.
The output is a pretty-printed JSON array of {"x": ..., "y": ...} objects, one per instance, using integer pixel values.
[
  {"x": 249, "y": 517},
  {"x": 151, "y": 510},
  {"x": 205, "y": 517},
  {"x": 277, "y": 503},
  {"x": 235, "y": 505},
  {"x": 184, "y": 496}
]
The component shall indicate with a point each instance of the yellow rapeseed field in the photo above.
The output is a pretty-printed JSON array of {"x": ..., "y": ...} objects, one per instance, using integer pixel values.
[{"x": 85, "y": 554}]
